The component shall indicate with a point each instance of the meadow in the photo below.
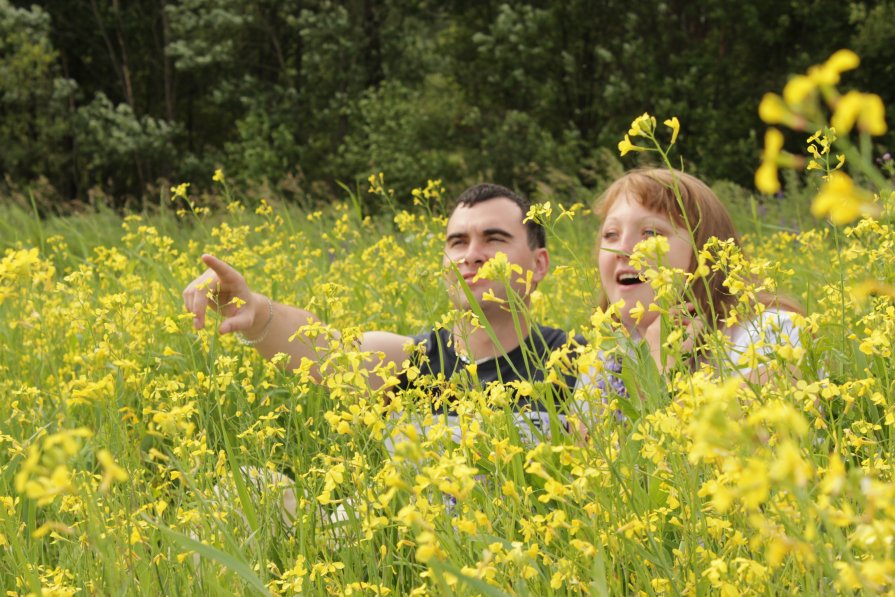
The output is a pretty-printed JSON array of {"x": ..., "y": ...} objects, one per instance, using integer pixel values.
[{"x": 144, "y": 457}]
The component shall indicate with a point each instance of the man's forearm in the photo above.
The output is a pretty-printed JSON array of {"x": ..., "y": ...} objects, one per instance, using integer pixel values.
[{"x": 274, "y": 325}]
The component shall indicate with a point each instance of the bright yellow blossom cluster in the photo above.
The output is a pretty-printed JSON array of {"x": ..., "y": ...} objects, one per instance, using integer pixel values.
[
  {"x": 645, "y": 126},
  {"x": 141, "y": 455},
  {"x": 813, "y": 102},
  {"x": 727, "y": 487}
]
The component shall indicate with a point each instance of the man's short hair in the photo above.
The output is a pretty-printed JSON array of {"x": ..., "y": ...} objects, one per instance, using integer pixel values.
[{"x": 537, "y": 236}]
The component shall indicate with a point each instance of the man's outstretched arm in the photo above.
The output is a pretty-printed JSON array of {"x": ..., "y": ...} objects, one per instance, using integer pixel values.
[{"x": 268, "y": 326}]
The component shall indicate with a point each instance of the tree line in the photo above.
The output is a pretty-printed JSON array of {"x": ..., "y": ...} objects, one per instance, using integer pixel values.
[{"x": 301, "y": 95}]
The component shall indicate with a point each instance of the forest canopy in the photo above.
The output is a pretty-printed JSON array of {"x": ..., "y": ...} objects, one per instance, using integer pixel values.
[{"x": 301, "y": 95}]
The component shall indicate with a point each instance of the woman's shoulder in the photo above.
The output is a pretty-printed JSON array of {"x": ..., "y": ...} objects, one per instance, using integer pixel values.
[
  {"x": 772, "y": 326},
  {"x": 767, "y": 318}
]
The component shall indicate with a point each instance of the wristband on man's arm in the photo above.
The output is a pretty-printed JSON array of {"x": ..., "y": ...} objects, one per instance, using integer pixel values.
[{"x": 245, "y": 341}]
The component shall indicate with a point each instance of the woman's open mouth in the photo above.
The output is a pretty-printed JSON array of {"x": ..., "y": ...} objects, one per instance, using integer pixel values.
[{"x": 629, "y": 279}]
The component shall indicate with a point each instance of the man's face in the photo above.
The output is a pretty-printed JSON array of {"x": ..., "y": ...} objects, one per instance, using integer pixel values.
[{"x": 477, "y": 233}]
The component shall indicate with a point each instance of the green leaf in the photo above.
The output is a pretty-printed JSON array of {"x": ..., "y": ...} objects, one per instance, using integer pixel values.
[
  {"x": 480, "y": 586},
  {"x": 223, "y": 558}
]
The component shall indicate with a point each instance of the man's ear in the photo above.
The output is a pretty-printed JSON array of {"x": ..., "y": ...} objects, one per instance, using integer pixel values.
[{"x": 542, "y": 264}]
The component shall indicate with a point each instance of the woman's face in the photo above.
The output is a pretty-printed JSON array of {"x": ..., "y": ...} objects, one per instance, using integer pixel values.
[{"x": 627, "y": 223}]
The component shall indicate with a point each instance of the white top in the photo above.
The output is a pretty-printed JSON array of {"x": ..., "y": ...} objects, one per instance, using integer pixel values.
[
  {"x": 756, "y": 339},
  {"x": 747, "y": 345}
]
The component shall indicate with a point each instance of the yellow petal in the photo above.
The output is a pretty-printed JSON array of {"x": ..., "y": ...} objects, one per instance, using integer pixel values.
[
  {"x": 839, "y": 199},
  {"x": 773, "y": 143},
  {"x": 840, "y": 62},
  {"x": 675, "y": 125},
  {"x": 821, "y": 205},
  {"x": 643, "y": 124},
  {"x": 847, "y": 110},
  {"x": 872, "y": 288},
  {"x": 773, "y": 110},
  {"x": 766, "y": 179},
  {"x": 873, "y": 115},
  {"x": 845, "y": 212},
  {"x": 636, "y": 312},
  {"x": 797, "y": 90},
  {"x": 829, "y": 72},
  {"x": 625, "y": 146}
]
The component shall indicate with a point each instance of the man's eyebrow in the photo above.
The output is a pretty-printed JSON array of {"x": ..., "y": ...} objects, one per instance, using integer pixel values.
[{"x": 485, "y": 232}]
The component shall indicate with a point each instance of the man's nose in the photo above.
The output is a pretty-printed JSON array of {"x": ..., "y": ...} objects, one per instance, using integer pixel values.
[{"x": 475, "y": 253}]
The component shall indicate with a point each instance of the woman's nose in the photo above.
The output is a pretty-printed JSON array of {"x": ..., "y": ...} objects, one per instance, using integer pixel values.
[{"x": 626, "y": 246}]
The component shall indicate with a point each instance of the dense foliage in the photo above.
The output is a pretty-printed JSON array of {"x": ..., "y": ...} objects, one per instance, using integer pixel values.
[
  {"x": 306, "y": 93},
  {"x": 146, "y": 457},
  {"x": 129, "y": 436}
]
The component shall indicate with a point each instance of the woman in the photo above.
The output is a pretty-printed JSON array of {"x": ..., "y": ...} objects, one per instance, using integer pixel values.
[{"x": 642, "y": 205}]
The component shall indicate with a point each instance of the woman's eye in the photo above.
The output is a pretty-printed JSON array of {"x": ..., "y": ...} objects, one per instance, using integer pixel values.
[
  {"x": 651, "y": 232},
  {"x": 610, "y": 235}
]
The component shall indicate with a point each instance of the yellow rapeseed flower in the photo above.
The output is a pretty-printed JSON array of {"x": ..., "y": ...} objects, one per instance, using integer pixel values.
[
  {"x": 830, "y": 71},
  {"x": 180, "y": 191},
  {"x": 625, "y": 146},
  {"x": 675, "y": 125},
  {"x": 497, "y": 268},
  {"x": 428, "y": 547},
  {"x": 798, "y": 89},
  {"x": 637, "y": 312},
  {"x": 773, "y": 110},
  {"x": 865, "y": 109},
  {"x": 840, "y": 200},
  {"x": 377, "y": 183},
  {"x": 642, "y": 125},
  {"x": 867, "y": 288},
  {"x": 649, "y": 251},
  {"x": 766, "y": 179},
  {"x": 539, "y": 213},
  {"x": 112, "y": 472}
]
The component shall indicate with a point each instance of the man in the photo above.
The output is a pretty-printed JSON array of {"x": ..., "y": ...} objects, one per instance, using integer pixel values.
[{"x": 487, "y": 219}]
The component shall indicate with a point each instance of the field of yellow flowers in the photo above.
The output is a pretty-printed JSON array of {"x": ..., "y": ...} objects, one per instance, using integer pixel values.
[{"x": 143, "y": 457}]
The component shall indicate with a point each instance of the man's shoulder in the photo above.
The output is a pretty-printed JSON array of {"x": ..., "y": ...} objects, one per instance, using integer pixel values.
[
  {"x": 541, "y": 335},
  {"x": 430, "y": 338},
  {"x": 435, "y": 344},
  {"x": 555, "y": 337}
]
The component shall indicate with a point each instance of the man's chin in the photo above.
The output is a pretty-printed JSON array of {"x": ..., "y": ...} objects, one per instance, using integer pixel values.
[
  {"x": 461, "y": 302},
  {"x": 477, "y": 291}
]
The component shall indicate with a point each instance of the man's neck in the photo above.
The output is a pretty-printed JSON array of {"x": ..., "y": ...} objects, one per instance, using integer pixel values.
[{"x": 476, "y": 344}]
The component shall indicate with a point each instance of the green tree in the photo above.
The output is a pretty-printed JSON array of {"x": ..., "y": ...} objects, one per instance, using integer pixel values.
[
  {"x": 34, "y": 99},
  {"x": 122, "y": 94}
]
